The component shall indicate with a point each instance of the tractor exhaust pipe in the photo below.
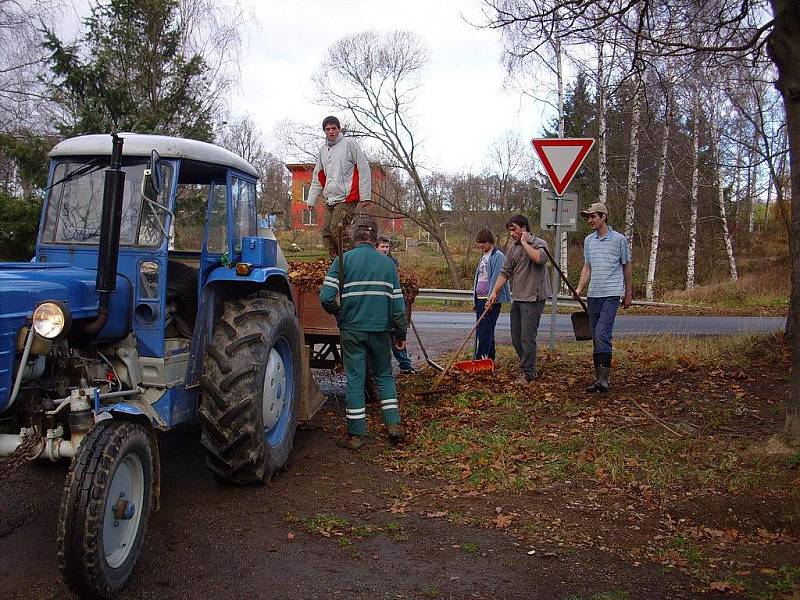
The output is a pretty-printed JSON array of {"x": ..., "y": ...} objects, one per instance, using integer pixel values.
[{"x": 108, "y": 250}]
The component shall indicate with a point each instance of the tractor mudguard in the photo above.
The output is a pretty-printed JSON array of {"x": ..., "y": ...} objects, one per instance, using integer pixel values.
[
  {"x": 135, "y": 408},
  {"x": 222, "y": 282}
]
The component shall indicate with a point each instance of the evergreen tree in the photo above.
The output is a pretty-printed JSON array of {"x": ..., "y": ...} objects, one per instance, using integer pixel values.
[{"x": 128, "y": 73}]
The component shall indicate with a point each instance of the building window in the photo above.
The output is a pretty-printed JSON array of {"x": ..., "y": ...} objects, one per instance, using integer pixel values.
[
  {"x": 306, "y": 189},
  {"x": 309, "y": 217}
]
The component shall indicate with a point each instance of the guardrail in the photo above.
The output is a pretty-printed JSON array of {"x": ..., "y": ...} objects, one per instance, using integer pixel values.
[{"x": 466, "y": 296}]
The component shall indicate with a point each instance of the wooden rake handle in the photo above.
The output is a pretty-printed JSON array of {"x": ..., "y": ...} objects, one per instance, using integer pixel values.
[{"x": 564, "y": 278}]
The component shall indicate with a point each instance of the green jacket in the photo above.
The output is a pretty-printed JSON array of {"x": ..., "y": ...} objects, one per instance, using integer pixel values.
[{"x": 372, "y": 299}]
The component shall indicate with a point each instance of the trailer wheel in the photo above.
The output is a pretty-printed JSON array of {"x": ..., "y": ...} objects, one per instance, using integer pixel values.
[
  {"x": 251, "y": 388},
  {"x": 104, "y": 509}
]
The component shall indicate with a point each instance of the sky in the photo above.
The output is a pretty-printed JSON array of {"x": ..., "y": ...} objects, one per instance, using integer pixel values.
[{"x": 462, "y": 107}]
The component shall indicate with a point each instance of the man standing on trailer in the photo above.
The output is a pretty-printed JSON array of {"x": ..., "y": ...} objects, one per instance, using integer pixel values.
[
  {"x": 342, "y": 177},
  {"x": 607, "y": 271},
  {"x": 372, "y": 310}
]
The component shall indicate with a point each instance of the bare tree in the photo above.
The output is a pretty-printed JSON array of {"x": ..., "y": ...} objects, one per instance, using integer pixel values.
[
  {"x": 633, "y": 161},
  {"x": 243, "y": 137},
  {"x": 297, "y": 141},
  {"x": 23, "y": 104},
  {"x": 509, "y": 161},
  {"x": 214, "y": 31},
  {"x": 374, "y": 78}
]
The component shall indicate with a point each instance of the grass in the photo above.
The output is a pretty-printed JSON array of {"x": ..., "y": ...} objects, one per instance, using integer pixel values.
[
  {"x": 322, "y": 524},
  {"x": 711, "y": 400},
  {"x": 786, "y": 581},
  {"x": 470, "y": 547},
  {"x": 556, "y": 432},
  {"x": 761, "y": 288}
]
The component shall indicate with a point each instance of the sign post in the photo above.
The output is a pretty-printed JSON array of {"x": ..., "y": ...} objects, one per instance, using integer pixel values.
[{"x": 561, "y": 159}]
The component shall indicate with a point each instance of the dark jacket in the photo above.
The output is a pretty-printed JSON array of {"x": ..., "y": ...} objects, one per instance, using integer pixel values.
[{"x": 372, "y": 298}]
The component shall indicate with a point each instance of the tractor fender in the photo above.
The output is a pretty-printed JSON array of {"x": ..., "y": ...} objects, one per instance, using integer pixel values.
[
  {"x": 132, "y": 408},
  {"x": 271, "y": 277},
  {"x": 145, "y": 414},
  {"x": 223, "y": 283}
]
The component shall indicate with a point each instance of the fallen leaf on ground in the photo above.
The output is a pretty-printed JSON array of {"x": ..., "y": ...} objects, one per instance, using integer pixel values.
[{"x": 724, "y": 586}]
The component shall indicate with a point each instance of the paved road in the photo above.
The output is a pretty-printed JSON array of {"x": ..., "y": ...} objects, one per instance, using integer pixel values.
[{"x": 443, "y": 332}]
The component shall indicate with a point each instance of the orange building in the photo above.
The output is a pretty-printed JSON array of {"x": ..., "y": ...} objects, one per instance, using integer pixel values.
[{"x": 304, "y": 217}]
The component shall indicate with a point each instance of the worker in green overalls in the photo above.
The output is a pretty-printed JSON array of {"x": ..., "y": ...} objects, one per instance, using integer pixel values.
[{"x": 372, "y": 305}]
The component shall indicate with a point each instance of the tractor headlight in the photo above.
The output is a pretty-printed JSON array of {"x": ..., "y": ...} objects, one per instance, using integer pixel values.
[{"x": 51, "y": 319}]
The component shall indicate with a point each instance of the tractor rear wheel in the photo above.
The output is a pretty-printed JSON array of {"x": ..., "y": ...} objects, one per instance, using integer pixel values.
[
  {"x": 251, "y": 388},
  {"x": 104, "y": 508}
]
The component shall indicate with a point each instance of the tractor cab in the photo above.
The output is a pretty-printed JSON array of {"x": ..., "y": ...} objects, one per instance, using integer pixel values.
[{"x": 186, "y": 207}]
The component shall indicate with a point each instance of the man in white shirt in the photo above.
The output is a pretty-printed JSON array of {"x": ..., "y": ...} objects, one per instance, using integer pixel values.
[{"x": 342, "y": 177}]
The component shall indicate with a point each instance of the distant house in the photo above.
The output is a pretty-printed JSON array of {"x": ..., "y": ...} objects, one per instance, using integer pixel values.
[{"x": 304, "y": 217}]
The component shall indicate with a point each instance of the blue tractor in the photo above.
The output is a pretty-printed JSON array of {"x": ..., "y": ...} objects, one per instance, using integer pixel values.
[{"x": 151, "y": 301}]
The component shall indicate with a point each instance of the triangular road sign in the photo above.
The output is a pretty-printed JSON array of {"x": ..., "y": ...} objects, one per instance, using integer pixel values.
[{"x": 561, "y": 158}]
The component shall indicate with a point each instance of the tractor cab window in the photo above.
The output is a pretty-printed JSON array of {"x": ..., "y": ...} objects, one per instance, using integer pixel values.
[
  {"x": 244, "y": 211},
  {"x": 190, "y": 217},
  {"x": 218, "y": 220},
  {"x": 75, "y": 203}
]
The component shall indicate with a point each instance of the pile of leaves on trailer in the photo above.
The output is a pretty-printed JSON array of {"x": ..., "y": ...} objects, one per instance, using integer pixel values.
[{"x": 308, "y": 276}]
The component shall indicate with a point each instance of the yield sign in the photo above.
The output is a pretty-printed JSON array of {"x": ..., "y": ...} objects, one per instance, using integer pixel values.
[{"x": 561, "y": 158}]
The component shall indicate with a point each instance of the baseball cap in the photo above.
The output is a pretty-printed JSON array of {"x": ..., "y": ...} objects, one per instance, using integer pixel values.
[{"x": 597, "y": 207}]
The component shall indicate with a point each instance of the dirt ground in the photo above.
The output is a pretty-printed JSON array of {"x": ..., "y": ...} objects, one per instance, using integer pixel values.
[
  {"x": 383, "y": 523},
  {"x": 215, "y": 541}
]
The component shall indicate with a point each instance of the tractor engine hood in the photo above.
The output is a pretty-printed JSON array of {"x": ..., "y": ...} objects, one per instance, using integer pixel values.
[{"x": 24, "y": 285}]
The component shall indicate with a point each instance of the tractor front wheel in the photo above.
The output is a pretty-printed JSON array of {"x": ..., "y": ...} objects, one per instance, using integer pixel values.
[{"x": 104, "y": 508}]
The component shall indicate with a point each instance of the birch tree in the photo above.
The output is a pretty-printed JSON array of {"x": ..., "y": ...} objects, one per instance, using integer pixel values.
[
  {"x": 633, "y": 161},
  {"x": 602, "y": 127},
  {"x": 662, "y": 170},
  {"x": 726, "y": 235},
  {"x": 690, "y": 255},
  {"x": 752, "y": 181}
]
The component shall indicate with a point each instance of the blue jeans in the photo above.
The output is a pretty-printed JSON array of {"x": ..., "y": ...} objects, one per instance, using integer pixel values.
[
  {"x": 602, "y": 312},
  {"x": 484, "y": 346},
  {"x": 401, "y": 356}
]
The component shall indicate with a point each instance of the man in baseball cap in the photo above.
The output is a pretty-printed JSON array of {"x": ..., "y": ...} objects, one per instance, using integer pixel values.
[{"x": 607, "y": 272}]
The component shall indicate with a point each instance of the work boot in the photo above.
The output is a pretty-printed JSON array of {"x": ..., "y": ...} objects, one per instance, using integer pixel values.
[
  {"x": 593, "y": 387},
  {"x": 352, "y": 442},
  {"x": 602, "y": 372},
  {"x": 395, "y": 433}
]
